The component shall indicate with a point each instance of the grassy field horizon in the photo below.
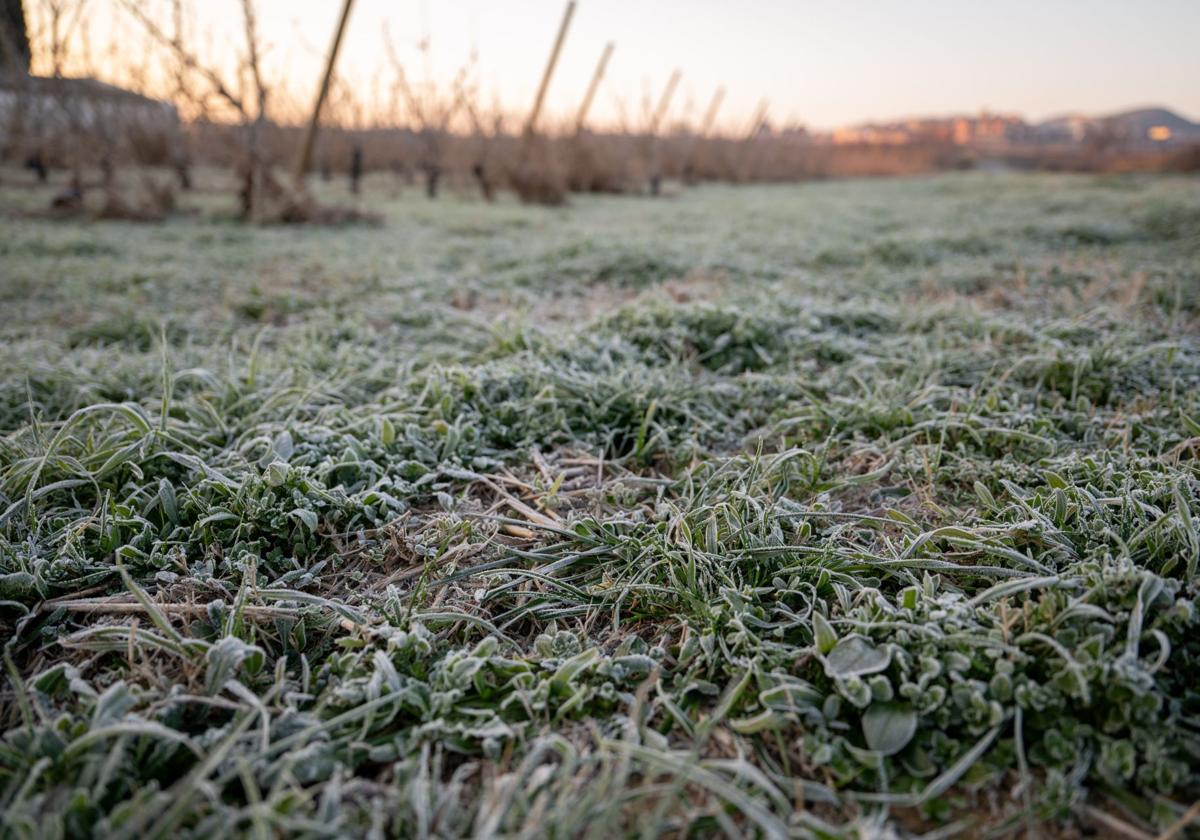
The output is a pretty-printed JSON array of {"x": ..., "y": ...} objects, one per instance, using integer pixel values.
[{"x": 840, "y": 509}]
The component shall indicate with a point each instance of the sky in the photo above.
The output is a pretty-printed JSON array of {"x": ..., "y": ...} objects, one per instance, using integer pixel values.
[{"x": 818, "y": 62}]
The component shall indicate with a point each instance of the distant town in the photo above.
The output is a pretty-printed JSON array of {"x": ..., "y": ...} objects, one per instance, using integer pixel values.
[
  {"x": 74, "y": 124},
  {"x": 1143, "y": 129}
]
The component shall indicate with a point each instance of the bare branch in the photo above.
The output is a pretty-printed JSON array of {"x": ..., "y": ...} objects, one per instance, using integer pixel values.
[{"x": 186, "y": 58}]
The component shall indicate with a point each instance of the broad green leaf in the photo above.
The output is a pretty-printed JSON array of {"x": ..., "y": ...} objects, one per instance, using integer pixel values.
[
  {"x": 277, "y": 473},
  {"x": 308, "y": 517},
  {"x": 888, "y": 727},
  {"x": 855, "y": 656},
  {"x": 824, "y": 635},
  {"x": 226, "y": 657}
]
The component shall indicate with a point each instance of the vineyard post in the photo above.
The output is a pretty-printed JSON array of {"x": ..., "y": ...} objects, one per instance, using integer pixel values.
[
  {"x": 531, "y": 123},
  {"x": 310, "y": 132},
  {"x": 710, "y": 117},
  {"x": 597, "y": 76},
  {"x": 660, "y": 112},
  {"x": 664, "y": 102},
  {"x": 756, "y": 125}
]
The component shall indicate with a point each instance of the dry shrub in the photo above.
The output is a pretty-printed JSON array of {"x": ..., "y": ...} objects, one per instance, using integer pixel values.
[
  {"x": 149, "y": 146},
  {"x": 281, "y": 204},
  {"x": 151, "y": 202},
  {"x": 601, "y": 168},
  {"x": 1185, "y": 160},
  {"x": 1104, "y": 159},
  {"x": 535, "y": 185},
  {"x": 537, "y": 177}
]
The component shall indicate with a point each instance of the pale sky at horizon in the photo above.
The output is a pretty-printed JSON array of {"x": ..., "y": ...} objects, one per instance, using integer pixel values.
[{"x": 823, "y": 64}]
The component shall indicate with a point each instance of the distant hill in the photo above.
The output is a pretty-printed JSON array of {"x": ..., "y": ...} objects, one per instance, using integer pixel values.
[
  {"x": 1139, "y": 121},
  {"x": 1137, "y": 126}
]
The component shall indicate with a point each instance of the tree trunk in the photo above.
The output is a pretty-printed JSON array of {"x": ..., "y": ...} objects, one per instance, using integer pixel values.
[{"x": 14, "y": 37}]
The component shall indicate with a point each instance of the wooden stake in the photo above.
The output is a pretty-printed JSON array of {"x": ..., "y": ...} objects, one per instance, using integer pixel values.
[
  {"x": 652, "y": 138},
  {"x": 760, "y": 117},
  {"x": 710, "y": 115},
  {"x": 664, "y": 102},
  {"x": 586, "y": 105},
  {"x": 310, "y": 133},
  {"x": 745, "y": 159},
  {"x": 531, "y": 123}
]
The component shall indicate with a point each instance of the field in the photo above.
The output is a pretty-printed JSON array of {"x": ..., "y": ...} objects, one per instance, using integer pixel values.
[{"x": 845, "y": 509}]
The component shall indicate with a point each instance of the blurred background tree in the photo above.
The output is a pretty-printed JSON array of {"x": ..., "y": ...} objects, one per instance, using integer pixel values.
[{"x": 14, "y": 38}]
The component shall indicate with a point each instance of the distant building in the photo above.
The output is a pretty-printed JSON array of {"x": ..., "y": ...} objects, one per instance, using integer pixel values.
[
  {"x": 1152, "y": 128},
  {"x": 1144, "y": 128},
  {"x": 873, "y": 135},
  {"x": 54, "y": 114},
  {"x": 983, "y": 130},
  {"x": 990, "y": 130},
  {"x": 1070, "y": 128}
]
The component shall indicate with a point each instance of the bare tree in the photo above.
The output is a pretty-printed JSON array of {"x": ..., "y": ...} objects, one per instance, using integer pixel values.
[
  {"x": 14, "y": 38},
  {"x": 482, "y": 135},
  {"x": 14, "y": 71},
  {"x": 429, "y": 111},
  {"x": 746, "y": 158},
  {"x": 652, "y": 140},
  {"x": 248, "y": 99},
  {"x": 60, "y": 117},
  {"x": 61, "y": 20},
  {"x": 710, "y": 116}
]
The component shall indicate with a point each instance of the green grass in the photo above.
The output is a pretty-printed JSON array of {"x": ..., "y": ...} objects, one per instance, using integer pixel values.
[{"x": 812, "y": 511}]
